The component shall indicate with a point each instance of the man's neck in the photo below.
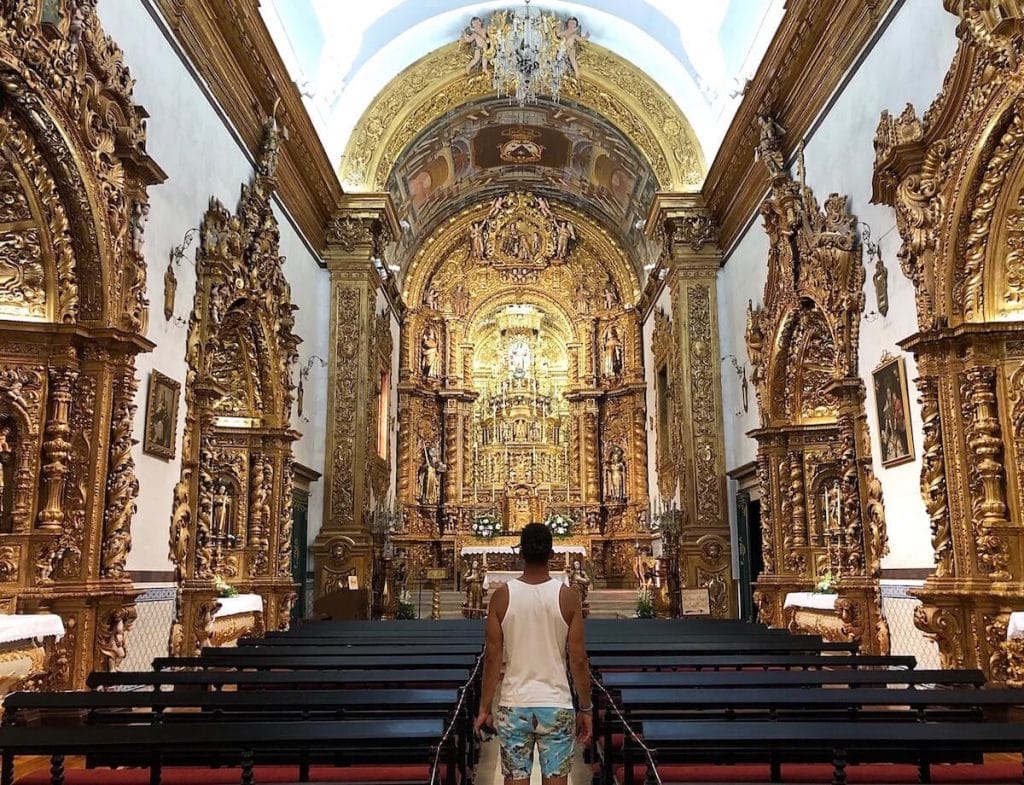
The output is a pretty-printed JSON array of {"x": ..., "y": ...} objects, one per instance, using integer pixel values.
[{"x": 534, "y": 573}]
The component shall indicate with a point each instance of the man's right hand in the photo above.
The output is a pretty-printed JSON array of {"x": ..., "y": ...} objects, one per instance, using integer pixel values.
[{"x": 584, "y": 726}]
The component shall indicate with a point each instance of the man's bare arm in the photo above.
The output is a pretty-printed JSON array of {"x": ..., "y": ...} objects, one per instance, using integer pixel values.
[
  {"x": 492, "y": 653},
  {"x": 579, "y": 665}
]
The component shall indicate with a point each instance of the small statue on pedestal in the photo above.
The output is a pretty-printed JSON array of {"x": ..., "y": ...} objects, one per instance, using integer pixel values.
[
  {"x": 474, "y": 583},
  {"x": 579, "y": 582}
]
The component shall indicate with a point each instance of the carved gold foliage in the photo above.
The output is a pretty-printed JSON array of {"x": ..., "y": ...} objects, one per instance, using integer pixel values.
[
  {"x": 704, "y": 419},
  {"x": 437, "y": 83},
  {"x": 347, "y": 301},
  {"x": 122, "y": 484}
]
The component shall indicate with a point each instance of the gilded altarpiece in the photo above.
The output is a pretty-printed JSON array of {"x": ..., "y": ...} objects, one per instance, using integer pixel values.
[
  {"x": 521, "y": 384},
  {"x": 232, "y": 516},
  {"x": 956, "y": 180},
  {"x": 73, "y": 206},
  {"x": 822, "y": 515}
]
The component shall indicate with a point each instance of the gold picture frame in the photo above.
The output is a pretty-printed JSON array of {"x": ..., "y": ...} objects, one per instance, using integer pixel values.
[
  {"x": 892, "y": 411},
  {"x": 161, "y": 425}
]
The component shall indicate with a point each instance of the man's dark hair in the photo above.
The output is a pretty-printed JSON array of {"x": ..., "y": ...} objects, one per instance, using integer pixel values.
[{"x": 535, "y": 544}]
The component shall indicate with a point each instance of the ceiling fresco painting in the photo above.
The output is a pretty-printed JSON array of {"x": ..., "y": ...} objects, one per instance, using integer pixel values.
[{"x": 490, "y": 147}]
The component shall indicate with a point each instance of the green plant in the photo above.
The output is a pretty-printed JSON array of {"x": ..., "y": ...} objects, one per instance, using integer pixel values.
[
  {"x": 644, "y": 605},
  {"x": 827, "y": 584},
  {"x": 406, "y": 607},
  {"x": 224, "y": 589}
]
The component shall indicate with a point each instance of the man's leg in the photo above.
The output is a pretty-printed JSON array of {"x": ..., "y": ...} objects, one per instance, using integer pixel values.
[
  {"x": 556, "y": 737},
  {"x": 516, "y": 735}
]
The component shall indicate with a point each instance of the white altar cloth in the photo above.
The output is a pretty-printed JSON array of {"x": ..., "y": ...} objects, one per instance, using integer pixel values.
[
  {"x": 26, "y": 626},
  {"x": 1015, "y": 626},
  {"x": 477, "y": 550},
  {"x": 240, "y": 603},
  {"x": 810, "y": 599},
  {"x": 494, "y": 578}
]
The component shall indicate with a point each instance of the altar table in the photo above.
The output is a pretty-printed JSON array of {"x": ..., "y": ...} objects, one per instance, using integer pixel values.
[
  {"x": 494, "y": 578},
  {"x": 26, "y": 640},
  {"x": 237, "y": 616},
  {"x": 479, "y": 550},
  {"x": 809, "y": 599}
]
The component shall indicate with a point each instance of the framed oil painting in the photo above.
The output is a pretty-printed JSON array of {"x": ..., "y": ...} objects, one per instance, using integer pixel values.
[
  {"x": 892, "y": 410},
  {"x": 161, "y": 416}
]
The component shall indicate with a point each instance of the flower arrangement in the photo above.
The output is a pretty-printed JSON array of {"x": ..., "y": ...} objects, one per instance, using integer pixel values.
[
  {"x": 485, "y": 526},
  {"x": 406, "y": 607},
  {"x": 644, "y": 605},
  {"x": 224, "y": 589},
  {"x": 559, "y": 524},
  {"x": 827, "y": 584}
]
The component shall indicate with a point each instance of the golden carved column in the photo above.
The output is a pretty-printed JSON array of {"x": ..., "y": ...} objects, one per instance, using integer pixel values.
[
  {"x": 357, "y": 236},
  {"x": 693, "y": 262}
]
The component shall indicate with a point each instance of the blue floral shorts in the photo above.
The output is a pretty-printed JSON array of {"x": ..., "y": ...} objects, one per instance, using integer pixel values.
[{"x": 552, "y": 731}]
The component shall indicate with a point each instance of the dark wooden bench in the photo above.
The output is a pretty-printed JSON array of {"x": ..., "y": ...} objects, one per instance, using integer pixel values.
[
  {"x": 326, "y": 646},
  {"x": 244, "y": 745},
  {"x": 228, "y": 658},
  {"x": 282, "y": 679},
  {"x": 721, "y": 646},
  {"x": 837, "y": 742},
  {"x": 787, "y": 679},
  {"x": 659, "y": 662}
]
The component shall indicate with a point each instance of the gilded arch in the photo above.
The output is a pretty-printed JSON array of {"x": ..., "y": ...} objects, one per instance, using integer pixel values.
[{"x": 437, "y": 83}]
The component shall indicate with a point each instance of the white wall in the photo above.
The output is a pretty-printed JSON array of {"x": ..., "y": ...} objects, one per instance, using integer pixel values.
[
  {"x": 190, "y": 141},
  {"x": 907, "y": 63}
]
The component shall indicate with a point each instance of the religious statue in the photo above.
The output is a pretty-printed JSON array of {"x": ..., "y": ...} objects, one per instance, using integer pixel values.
[
  {"x": 610, "y": 297},
  {"x": 430, "y": 475},
  {"x": 579, "y": 581},
  {"x": 221, "y": 507},
  {"x": 571, "y": 36},
  {"x": 76, "y": 27},
  {"x": 170, "y": 290},
  {"x": 615, "y": 474},
  {"x": 6, "y": 452},
  {"x": 582, "y": 300},
  {"x": 476, "y": 36},
  {"x": 565, "y": 235},
  {"x": 474, "y": 583},
  {"x": 431, "y": 299},
  {"x": 769, "y": 148},
  {"x": 755, "y": 343},
  {"x": 881, "y": 281},
  {"x": 430, "y": 350},
  {"x": 611, "y": 353},
  {"x": 140, "y": 215},
  {"x": 460, "y": 301}
]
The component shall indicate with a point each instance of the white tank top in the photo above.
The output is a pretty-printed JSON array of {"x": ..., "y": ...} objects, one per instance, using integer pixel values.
[{"x": 535, "y": 658}]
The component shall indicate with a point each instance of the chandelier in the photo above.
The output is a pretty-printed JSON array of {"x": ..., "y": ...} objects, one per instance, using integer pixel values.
[{"x": 529, "y": 57}]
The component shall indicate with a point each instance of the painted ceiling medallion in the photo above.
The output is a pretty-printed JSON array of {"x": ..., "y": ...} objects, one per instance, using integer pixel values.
[{"x": 522, "y": 146}]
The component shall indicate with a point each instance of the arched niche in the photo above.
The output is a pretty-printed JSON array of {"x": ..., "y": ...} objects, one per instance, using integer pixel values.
[
  {"x": 232, "y": 518},
  {"x": 73, "y": 207},
  {"x": 582, "y": 445}
]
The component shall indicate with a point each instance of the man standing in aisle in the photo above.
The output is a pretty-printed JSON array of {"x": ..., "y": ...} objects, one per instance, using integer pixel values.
[{"x": 531, "y": 622}]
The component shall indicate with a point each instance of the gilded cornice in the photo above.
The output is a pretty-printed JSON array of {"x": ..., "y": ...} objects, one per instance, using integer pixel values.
[
  {"x": 436, "y": 83},
  {"x": 229, "y": 45},
  {"x": 815, "y": 45}
]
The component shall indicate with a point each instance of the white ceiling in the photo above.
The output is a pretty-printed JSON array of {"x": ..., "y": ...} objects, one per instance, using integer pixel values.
[{"x": 341, "y": 53}]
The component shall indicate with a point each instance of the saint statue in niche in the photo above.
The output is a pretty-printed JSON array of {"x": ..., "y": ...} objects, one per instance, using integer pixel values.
[
  {"x": 6, "y": 471},
  {"x": 582, "y": 299},
  {"x": 565, "y": 235},
  {"x": 430, "y": 474},
  {"x": 615, "y": 474},
  {"x": 611, "y": 353},
  {"x": 431, "y": 299},
  {"x": 460, "y": 300},
  {"x": 430, "y": 350},
  {"x": 221, "y": 510},
  {"x": 610, "y": 297}
]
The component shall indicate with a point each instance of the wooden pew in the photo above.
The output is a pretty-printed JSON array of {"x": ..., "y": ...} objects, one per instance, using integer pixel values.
[
  {"x": 803, "y": 644},
  {"x": 789, "y": 679},
  {"x": 283, "y": 679},
  {"x": 835, "y": 742},
  {"x": 327, "y": 646},
  {"x": 660, "y": 662},
  {"x": 244, "y": 745},
  {"x": 228, "y": 658}
]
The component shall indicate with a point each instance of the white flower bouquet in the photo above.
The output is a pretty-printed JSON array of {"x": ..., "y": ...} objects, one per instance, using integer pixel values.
[
  {"x": 559, "y": 524},
  {"x": 485, "y": 526}
]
